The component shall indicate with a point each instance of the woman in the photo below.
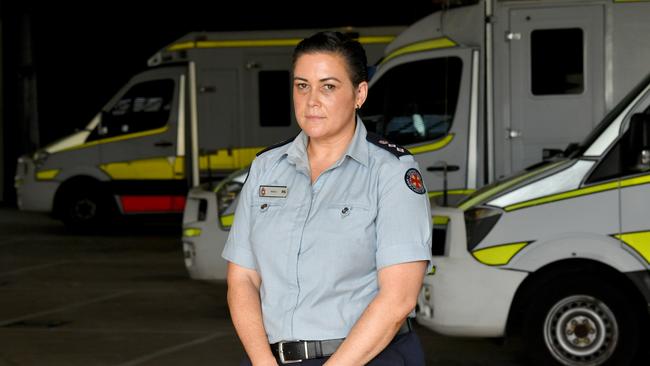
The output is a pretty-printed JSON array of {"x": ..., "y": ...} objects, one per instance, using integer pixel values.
[{"x": 332, "y": 233}]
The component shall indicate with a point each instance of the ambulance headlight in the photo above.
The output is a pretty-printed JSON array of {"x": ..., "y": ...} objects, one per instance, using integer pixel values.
[
  {"x": 227, "y": 196},
  {"x": 40, "y": 156},
  {"x": 479, "y": 221},
  {"x": 228, "y": 190}
]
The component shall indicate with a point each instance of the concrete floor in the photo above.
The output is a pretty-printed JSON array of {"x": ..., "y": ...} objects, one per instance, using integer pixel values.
[{"x": 123, "y": 297}]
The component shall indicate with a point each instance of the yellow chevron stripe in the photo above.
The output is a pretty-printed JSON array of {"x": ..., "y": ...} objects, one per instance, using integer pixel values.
[
  {"x": 47, "y": 174},
  {"x": 498, "y": 255},
  {"x": 226, "y": 221},
  {"x": 639, "y": 241},
  {"x": 278, "y": 42},
  {"x": 452, "y": 192},
  {"x": 421, "y": 46},
  {"x": 437, "y": 145},
  {"x": 153, "y": 168},
  {"x": 440, "y": 220},
  {"x": 191, "y": 232}
]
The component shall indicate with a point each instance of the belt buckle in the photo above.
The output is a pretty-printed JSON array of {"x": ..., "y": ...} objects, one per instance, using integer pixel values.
[{"x": 281, "y": 352}]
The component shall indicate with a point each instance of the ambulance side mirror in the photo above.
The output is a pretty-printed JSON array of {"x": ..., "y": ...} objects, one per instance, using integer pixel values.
[{"x": 640, "y": 140}]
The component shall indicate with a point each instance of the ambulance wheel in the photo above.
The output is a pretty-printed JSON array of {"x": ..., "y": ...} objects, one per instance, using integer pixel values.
[
  {"x": 85, "y": 209},
  {"x": 582, "y": 321}
]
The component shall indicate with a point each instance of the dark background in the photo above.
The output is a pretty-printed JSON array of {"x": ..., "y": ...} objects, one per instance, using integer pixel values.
[{"x": 72, "y": 57}]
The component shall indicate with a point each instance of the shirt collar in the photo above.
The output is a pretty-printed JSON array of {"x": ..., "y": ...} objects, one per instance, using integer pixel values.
[{"x": 357, "y": 150}]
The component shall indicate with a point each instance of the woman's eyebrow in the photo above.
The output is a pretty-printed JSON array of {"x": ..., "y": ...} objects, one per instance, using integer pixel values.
[
  {"x": 329, "y": 78},
  {"x": 299, "y": 78}
]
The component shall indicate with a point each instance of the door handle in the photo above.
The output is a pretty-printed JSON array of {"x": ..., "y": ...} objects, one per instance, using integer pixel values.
[
  {"x": 162, "y": 144},
  {"x": 443, "y": 168}
]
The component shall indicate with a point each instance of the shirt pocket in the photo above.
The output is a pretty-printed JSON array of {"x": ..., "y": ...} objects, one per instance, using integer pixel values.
[
  {"x": 270, "y": 221},
  {"x": 350, "y": 222}
]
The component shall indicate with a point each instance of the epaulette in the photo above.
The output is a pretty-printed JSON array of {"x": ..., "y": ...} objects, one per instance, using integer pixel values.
[
  {"x": 275, "y": 146},
  {"x": 392, "y": 148}
]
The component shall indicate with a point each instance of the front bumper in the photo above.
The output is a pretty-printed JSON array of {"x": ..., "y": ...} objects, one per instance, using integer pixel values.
[
  {"x": 465, "y": 297},
  {"x": 33, "y": 194},
  {"x": 203, "y": 237}
]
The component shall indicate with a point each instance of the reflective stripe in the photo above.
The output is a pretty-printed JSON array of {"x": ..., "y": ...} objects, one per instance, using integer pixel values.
[
  {"x": 639, "y": 241},
  {"x": 453, "y": 192},
  {"x": 151, "y": 204},
  {"x": 226, "y": 220},
  {"x": 119, "y": 138},
  {"x": 421, "y": 46},
  {"x": 437, "y": 145},
  {"x": 154, "y": 168},
  {"x": 645, "y": 179},
  {"x": 191, "y": 232},
  {"x": 229, "y": 159},
  {"x": 181, "y": 46},
  {"x": 498, "y": 255},
  {"x": 174, "y": 167},
  {"x": 47, "y": 174},
  {"x": 484, "y": 196},
  {"x": 279, "y": 42},
  {"x": 440, "y": 220}
]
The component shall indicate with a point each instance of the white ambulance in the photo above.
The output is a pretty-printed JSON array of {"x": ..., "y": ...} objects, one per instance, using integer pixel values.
[
  {"x": 559, "y": 253},
  {"x": 207, "y": 103}
]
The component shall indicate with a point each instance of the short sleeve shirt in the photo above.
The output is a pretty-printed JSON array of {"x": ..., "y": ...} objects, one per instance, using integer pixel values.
[{"x": 318, "y": 247}]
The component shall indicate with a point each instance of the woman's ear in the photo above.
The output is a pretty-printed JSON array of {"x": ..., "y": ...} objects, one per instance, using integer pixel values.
[{"x": 361, "y": 93}]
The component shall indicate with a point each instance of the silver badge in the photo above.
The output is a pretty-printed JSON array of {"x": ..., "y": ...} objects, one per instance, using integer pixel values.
[{"x": 274, "y": 191}]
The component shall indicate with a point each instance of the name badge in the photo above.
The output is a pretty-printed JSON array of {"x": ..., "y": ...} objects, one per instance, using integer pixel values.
[{"x": 273, "y": 191}]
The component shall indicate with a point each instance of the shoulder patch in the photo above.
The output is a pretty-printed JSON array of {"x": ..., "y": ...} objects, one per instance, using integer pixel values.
[
  {"x": 275, "y": 146},
  {"x": 392, "y": 148},
  {"x": 414, "y": 181}
]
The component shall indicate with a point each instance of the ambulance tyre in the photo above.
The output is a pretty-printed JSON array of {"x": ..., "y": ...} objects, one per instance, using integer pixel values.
[
  {"x": 85, "y": 208},
  {"x": 584, "y": 320}
]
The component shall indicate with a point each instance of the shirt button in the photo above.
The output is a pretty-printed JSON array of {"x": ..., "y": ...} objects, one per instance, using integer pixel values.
[
  {"x": 264, "y": 207},
  {"x": 345, "y": 211}
]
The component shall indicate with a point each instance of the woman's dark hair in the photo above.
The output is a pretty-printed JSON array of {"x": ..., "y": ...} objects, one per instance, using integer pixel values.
[{"x": 339, "y": 43}]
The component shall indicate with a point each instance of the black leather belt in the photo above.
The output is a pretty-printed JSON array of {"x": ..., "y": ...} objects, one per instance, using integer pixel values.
[{"x": 298, "y": 351}]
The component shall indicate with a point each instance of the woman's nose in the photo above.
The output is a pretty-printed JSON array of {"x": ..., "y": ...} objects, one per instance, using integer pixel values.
[{"x": 312, "y": 100}]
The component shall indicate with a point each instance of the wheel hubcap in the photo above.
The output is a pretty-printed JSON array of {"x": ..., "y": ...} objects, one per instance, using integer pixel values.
[
  {"x": 85, "y": 209},
  {"x": 581, "y": 330}
]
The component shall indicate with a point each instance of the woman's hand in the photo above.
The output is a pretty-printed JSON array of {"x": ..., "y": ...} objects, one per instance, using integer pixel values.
[{"x": 399, "y": 286}]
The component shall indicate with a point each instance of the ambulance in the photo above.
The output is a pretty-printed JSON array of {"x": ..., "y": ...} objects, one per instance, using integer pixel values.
[
  {"x": 558, "y": 254},
  {"x": 206, "y": 104},
  {"x": 481, "y": 91}
]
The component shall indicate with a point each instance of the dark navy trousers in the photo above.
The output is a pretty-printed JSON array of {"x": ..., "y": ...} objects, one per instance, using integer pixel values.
[{"x": 404, "y": 350}]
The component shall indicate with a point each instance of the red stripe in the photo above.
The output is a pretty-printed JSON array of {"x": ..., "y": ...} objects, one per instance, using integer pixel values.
[{"x": 139, "y": 204}]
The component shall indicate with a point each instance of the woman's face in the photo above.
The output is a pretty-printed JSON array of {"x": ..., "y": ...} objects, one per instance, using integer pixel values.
[{"x": 324, "y": 98}]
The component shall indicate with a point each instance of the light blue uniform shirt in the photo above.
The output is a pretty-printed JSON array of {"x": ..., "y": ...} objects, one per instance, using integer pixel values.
[{"x": 318, "y": 249}]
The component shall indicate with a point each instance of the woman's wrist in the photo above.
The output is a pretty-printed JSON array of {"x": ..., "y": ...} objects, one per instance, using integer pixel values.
[{"x": 267, "y": 361}]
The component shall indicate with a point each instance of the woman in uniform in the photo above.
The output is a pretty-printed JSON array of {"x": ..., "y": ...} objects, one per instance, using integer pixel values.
[{"x": 332, "y": 233}]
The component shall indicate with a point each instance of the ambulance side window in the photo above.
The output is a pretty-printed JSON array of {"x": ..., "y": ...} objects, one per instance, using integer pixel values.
[
  {"x": 562, "y": 70},
  {"x": 275, "y": 106},
  {"x": 623, "y": 158},
  {"x": 145, "y": 106},
  {"x": 414, "y": 102}
]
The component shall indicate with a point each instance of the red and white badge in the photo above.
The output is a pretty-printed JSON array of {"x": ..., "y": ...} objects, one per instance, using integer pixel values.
[{"x": 414, "y": 181}]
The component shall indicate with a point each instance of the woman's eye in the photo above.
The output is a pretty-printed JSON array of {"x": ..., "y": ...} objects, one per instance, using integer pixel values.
[
  {"x": 301, "y": 86},
  {"x": 329, "y": 86}
]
